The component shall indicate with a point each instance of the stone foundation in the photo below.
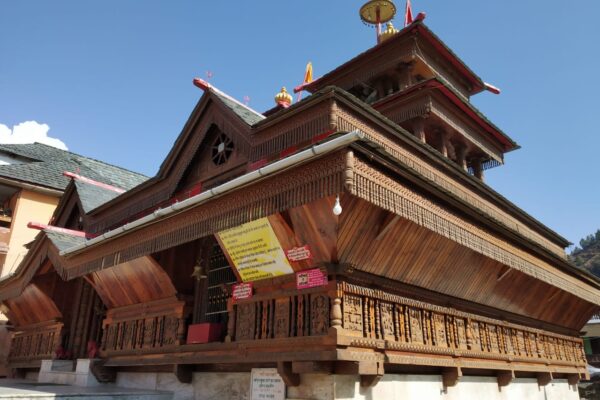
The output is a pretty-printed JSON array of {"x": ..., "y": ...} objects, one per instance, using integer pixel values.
[{"x": 236, "y": 386}]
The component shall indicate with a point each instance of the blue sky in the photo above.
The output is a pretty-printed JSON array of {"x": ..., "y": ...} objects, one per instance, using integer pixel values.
[{"x": 113, "y": 79}]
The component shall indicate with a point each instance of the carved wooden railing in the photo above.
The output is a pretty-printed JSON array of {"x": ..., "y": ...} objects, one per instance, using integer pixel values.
[
  {"x": 412, "y": 326},
  {"x": 300, "y": 313},
  {"x": 35, "y": 342},
  {"x": 144, "y": 326}
]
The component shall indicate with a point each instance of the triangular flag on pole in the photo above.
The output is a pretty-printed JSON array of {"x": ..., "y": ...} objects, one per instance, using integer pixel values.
[
  {"x": 408, "y": 17},
  {"x": 308, "y": 78}
]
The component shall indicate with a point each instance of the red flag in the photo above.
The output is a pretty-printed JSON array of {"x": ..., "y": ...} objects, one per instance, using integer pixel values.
[{"x": 408, "y": 18}]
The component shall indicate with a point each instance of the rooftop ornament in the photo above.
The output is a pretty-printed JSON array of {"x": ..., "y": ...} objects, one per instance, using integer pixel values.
[
  {"x": 283, "y": 98},
  {"x": 388, "y": 33},
  {"x": 377, "y": 12}
]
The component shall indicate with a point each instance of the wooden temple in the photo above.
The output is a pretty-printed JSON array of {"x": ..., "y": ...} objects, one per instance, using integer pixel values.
[{"x": 350, "y": 233}]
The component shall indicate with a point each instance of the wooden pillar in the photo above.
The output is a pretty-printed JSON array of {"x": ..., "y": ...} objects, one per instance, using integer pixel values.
[
  {"x": 477, "y": 168},
  {"x": 419, "y": 129},
  {"x": 461, "y": 155},
  {"x": 442, "y": 142}
]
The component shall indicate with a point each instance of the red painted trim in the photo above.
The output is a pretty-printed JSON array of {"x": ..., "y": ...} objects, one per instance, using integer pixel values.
[
  {"x": 41, "y": 227},
  {"x": 257, "y": 164},
  {"x": 201, "y": 83},
  {"x": 284, "y": 104},
  {"x": 289, "y": 151},
  {"x": 93, "y": 182},
  {"x": 420, "y": 17},
  {"x": 322, "y": 136},
  {"x": 491, "y": 88}
]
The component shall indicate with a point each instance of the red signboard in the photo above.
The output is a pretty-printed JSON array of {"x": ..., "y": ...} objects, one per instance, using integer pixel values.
[
  {"x": 242, "y": 291},
  {"x": 310, "y": 278},
  {"x": 298, "y": 253}
]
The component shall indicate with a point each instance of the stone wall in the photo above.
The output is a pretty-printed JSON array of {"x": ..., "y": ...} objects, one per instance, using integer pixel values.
[{"x": 236, "y": 386}]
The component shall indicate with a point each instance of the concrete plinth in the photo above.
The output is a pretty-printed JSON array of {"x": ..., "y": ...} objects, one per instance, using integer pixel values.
[
  {"x": 236, "y": 386},
  {"x": 63, "y": 372}
]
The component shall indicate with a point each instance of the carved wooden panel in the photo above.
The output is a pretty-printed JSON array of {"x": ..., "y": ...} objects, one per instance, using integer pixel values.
[
  {"x": 246, "y": 320},
  {"x": 294, "y": 316},
  {"x": 353, "y": 313},
  {"x": 35, "y": 342},
  {"x": 282, "y": 318},
  {"x": 319, "y": 314},
  {"x": 440, "y": 329},
  {"x": 143, "y": 326}
]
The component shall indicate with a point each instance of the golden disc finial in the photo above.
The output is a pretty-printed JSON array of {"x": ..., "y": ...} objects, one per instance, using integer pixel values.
[
  {"x": 388, "y": 33},
  {"x": 377, "y": 12},
  {"x": 283, "y": 98}
]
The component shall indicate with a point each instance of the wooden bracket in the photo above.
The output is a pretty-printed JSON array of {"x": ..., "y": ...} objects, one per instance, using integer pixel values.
[
  {"x": 544, "y": 378},
  {"x": 102, "y": 373},
  {"x": 312, "y": 367},
  {"x": 370, "y": 373},
  {"x": 573, "y": 379},
  {"x": 451, "y": 376},
  {"x": 505, "y": 377},
  {"x": 367, "y": 381},
  {"x": 289, "y": 377},
  {"x": 184, "y": 373}
]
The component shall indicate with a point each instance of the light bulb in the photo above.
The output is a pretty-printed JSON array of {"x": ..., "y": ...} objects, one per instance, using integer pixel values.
[{"x": 337, "y": 208}]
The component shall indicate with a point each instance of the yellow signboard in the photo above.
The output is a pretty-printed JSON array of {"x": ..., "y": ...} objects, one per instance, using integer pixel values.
[{"x": 255, "y": 250}]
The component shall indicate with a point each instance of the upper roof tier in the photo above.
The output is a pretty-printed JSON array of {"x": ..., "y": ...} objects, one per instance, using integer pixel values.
[
  {"x": 415, "y": 43},
  {"x": 402, "y": 67}
]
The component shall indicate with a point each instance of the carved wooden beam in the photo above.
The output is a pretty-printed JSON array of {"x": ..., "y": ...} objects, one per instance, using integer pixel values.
[
  {"x": 505, "y": 377},
  {"x": 544, "y": 378},
  {"x": 451, "y": 376},
  {"x": 184, "y": 373},
  {"x": 286, "y": 372}
]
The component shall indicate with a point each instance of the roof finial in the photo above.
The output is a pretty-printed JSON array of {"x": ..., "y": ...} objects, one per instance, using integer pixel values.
[
  {"x": 388, "y": 33},
  {"x": 377, "y": 12},
  {"x": 283, "y": 98}
]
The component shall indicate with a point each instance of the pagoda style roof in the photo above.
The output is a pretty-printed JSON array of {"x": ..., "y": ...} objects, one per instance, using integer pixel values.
[
  {"x": 476, "y": 83},
  {"x": 496, "y": 134}
]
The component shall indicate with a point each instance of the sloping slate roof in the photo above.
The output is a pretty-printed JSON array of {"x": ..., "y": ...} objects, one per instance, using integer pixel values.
[
  {"x": 63, "y": 241},
  {"x": 49, "y": 163},
  {"x": 92, "y": 196},
  {"x": 247, "y": 114}
]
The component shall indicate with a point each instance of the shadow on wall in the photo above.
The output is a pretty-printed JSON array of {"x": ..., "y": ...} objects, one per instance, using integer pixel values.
[{"x": 589, "y": 390}]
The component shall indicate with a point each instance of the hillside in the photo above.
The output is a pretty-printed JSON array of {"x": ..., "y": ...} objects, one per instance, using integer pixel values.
[{"x": 587, "y": 255}]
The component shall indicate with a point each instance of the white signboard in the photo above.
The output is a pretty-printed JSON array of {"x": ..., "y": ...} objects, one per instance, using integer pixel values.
[{"x": 266, "y": 384}]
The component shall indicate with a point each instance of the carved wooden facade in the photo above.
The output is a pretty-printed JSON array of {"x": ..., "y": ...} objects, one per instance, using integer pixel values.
[{"x": 439, "y": 271}]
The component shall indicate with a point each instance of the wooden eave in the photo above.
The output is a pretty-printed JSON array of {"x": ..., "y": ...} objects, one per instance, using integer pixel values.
[
  {"x": 377, "y": 154},
  {"x": 470, "y": 111},
  {"x": 13, "y": 285},
  {"x": 444, "y": 164},
  {"x": 418, "y": 27},
  {"x": 406, "y": 138}
]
